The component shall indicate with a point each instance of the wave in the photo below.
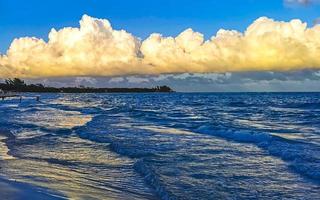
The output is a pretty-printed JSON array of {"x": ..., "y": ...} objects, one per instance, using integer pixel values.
[
  {"x": 125, "y": 149},
  {"x": 148, "y": 174},
  {"x": 150, "y": 135},
  {"x": 129, "y": 152},
  {"x": 152, "y": 178},
  {"x": 306, "y": 105},
  {"x": 303, "y": 157},
  {"x": 238, "y": 135}
]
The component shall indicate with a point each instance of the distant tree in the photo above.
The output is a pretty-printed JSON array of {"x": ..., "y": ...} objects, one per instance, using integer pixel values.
[
  {"x": 14, "y": 85},
  {"x": 164, "y": 88},
  {"x": 40, "y": 85},
  {"x": 18, "y": 83}
]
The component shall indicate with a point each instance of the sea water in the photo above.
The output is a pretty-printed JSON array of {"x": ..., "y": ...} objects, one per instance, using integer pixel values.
[{"x": 165, "y": 146}]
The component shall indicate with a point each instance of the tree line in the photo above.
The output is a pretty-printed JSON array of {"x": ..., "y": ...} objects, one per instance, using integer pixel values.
[{"x": 18, "y": 85}]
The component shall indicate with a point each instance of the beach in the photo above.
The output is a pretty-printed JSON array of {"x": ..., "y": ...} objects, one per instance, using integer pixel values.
[
  {"x": 20, "y": 191},
  {"x": 10, "y": 189}
]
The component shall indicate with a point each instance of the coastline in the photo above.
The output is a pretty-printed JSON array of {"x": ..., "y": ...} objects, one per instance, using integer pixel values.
[
  {"x": 13, "y": 190},
  {"x": 18, "y": 85},
  {"x": 17, "y": 190}
]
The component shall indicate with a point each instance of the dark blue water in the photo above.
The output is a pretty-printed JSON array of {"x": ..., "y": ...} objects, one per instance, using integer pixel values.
[{"x": 165, "y": 146}]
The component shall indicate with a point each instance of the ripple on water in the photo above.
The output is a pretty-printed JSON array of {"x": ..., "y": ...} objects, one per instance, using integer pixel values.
[{"x": 183, "y": 146}]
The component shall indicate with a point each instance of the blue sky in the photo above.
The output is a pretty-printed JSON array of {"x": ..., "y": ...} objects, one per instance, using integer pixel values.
[{"x": 19, "y": 18}]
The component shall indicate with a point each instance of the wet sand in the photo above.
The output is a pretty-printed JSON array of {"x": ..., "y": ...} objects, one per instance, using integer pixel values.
[{"x": 12, "y": 190}]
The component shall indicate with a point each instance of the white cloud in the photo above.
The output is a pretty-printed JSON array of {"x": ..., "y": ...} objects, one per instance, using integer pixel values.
[
  {"x": 85, "y": 81},
  {"x": 93, "y": 49},
  {"x": 116, "y": 80},
  {"x": 135, "y": 79},
  {"x": 161, "y": 77},
  {"x": 96, "y": 49}
]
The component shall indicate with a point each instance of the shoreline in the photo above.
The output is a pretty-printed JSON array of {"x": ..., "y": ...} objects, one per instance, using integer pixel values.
[{"x": 15, "y": 190}]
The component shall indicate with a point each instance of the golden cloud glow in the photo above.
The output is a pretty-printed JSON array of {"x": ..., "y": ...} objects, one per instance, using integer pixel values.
[{"x": 96, "y": 49}]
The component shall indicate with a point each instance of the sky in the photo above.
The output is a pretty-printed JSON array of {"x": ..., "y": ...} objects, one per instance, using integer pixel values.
[{"x": 259, "y": 49}]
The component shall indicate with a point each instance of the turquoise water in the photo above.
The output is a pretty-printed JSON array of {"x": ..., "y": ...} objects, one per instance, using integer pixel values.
[{"x": 165, "y": 146}]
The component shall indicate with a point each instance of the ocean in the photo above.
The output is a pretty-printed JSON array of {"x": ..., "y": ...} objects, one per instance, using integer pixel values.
[{"x": 164, "y": 146}]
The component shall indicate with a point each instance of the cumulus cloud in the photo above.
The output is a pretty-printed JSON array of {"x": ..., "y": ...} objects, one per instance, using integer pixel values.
[
  {"x": 116, "y": 80},
  {"x": 85, "y": 81},
  {"x": 93, "y": 49},
  {"x": 96, "y": 49},
  {"x": 136, "y": 79}
]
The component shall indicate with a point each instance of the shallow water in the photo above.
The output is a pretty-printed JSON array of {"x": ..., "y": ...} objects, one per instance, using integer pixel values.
[{"x": 165, "y": 146}]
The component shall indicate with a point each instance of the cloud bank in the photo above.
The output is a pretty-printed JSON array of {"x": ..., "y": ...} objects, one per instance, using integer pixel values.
[{"x": 96, "y": 49}]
